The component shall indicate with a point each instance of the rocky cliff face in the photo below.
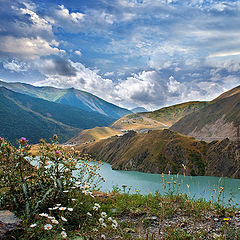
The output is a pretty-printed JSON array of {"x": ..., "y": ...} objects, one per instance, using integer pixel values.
[
  {"x": 217, "y": 120},
  {"x": 164, "y": 150}
]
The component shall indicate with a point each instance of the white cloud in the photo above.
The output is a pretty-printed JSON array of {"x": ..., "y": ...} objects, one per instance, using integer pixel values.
[
  {"x": 83, "y": 79},
  {"x": 27, "y": 47},
  {"x": 39, "y": 23},
  {"x": 64, "y": 13},
  {"x": 16, "y": 66},
  {"x": 78, "y": 52}
]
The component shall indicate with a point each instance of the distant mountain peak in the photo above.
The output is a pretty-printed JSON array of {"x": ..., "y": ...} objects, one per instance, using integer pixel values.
[
  {"x": 71, "y": 96},
  {"x": 139, "y": 109}
]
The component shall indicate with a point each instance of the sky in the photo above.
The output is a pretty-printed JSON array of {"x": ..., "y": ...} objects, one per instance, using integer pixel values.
[{"x": 149, "y": 53}]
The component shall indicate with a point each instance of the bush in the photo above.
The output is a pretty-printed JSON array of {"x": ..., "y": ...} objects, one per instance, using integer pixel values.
[{"x": 51, "y": 192}]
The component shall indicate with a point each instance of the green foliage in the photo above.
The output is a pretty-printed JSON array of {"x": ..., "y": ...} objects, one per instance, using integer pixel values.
[{"x": 59, "y": 182}]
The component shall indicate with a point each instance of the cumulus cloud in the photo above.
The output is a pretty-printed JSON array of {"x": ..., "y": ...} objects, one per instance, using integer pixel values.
[
  {"x": 75, "y": 75},
  {"x": 64, "y": 13},
  {"x": 16, "y": 66},
  {"x": 27, "y": 48},
  {"x": 78, "y": 52},
  {"x": 52, "y": 67}
]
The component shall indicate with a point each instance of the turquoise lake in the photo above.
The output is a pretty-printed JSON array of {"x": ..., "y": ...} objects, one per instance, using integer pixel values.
[{"x": 196, "y": 187}]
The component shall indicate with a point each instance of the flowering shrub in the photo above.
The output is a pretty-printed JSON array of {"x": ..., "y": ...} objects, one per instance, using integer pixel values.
[{"x": 53, "y": 191}]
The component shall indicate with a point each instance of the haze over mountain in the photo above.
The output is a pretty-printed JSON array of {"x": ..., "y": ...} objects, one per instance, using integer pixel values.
[
  {"x": 72, "y": 97},
  {"x": 139, "y": 109},
  {"x": 35, "y": 118}
]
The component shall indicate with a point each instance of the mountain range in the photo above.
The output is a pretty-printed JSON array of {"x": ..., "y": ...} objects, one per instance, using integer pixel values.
[
  {"x": 35, "y": 118},
  {"x": 72, "y": 97},
  {"x": 219, "y": 119}
]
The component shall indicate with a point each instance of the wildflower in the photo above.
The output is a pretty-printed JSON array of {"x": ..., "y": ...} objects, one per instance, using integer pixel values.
[
  {"x": 49, "y": 217},
  {"x": 55, "y": 208},
  {"x": 70, "y": 209},
  {"x": 73, "y": 199},
  {"x": 110, "y": 219},
  {"x": 103, "y": 236},
  {"x": 58, "y": 205},
  {"x": 64, "y": 219},
  {"x": 66, "y": 191},
  {"x": 57, "y": 152},
  {"x": 89, "y": 214},
  {"x": 33, "y": 225},
  {"x": 101, "y": 220},
  {"x": 103, "y": 215},
  {"x": 114, "y": 226},
  {"x": 62, "y": 208},
  {"x": 95, "y": 229},
  {"x": 95, "y": 208},
  {"x": 64, "y": 234},
  {"x": 54, "y": 221},
  {"x": 104, "y": 225},
  {"x": 97, "y": 205},
  {"x": 151, "y": 193},
  {"x": 50, "y": 209},
  {"x": 137, "y": 190},
  {"x": 114, "y": 222},
  {"x": 226, "y": 219},
  {"x": 43, "y": 214},
  {"x": 48, "y": 227},
  {"x": 23, "y": 139}
]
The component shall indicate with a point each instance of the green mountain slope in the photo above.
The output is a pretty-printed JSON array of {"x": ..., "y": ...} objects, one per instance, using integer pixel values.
[
  {"x": 73, "y": 97},
  {"x": 162, "y": 118},
  {"x": 161, "y": 151},
  {"x": 218, "y": 120},
  {"x": 34, "y": 118}
]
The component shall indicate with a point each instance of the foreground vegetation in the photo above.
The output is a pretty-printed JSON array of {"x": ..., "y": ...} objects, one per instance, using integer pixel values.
[{"x": 58, "y": 198}]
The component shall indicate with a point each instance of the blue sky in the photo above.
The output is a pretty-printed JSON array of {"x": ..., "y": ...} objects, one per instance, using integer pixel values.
[{"x": 149, "y": 53}]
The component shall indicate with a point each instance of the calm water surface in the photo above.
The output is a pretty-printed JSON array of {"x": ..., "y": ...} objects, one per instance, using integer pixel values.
[
  {"x": 146, "y": 183},
  {"x": 195, "y": 187}
]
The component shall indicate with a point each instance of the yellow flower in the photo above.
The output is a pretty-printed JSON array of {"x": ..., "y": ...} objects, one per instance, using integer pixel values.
[{"x": 226, "y": 219}]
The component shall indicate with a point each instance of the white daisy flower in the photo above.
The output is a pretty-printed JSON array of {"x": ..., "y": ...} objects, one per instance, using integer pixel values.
[
  {"x": 43, "y": 214},
  {"x": 54, "y": 221},
  {"x": 101, "y": 220},
  {"x": 33, "y": 225},
  {"x": 64, "y": 234},
  {"x": 70, "y": 209},
  {"x": 62, "y": 208},
  {"x": 104, "y": 225},
  {"x": 48, "y": 227},
  {"x": 103, "y": 215},
  {"x": 89, "y": 214},
  {"x": 64, "y": 219}
]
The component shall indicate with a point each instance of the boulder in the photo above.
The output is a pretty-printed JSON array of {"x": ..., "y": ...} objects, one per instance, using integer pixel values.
[{"x": 8, "y": 223}]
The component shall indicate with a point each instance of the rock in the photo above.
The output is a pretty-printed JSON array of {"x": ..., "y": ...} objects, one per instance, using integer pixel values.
[{"x": 8, "y": 223}]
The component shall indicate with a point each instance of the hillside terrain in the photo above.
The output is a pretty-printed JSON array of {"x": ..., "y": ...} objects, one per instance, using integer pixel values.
[
  {"x": 94, "y": 134},
  {"x": 35, "y": 118},
  {"x": 72, "y": 97},
  {"x": 162, "y": 118},
  {"x": 218, "y": 120},
  {"x": 161, "y": 151}
]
